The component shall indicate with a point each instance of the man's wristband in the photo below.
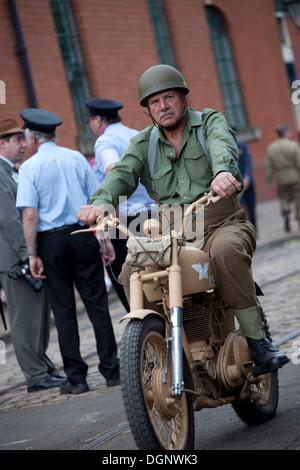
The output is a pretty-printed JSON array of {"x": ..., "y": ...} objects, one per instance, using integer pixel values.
[{"x": 32, "y": 255}]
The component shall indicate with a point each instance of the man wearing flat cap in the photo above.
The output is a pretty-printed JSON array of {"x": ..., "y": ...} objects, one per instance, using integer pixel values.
[
  {"x": 113, "y": 138},
  {"x": 28, "y": 310},
  {"x": 283, "y": 162},
  {"x": 53, "y": 184}
]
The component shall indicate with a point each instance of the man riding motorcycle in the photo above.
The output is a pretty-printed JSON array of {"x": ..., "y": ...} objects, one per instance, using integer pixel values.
[{"x": 182, "y": 174}]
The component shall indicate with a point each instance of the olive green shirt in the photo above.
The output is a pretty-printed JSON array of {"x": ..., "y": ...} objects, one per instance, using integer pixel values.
[{"x": 179, "y": 180}]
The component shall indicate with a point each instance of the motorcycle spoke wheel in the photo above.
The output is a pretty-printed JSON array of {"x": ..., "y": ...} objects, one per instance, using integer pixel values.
[
  {"x": 157, "y": 420},
  {"x": 168, "y": 415},
  {"x": 261, "y": 406},
  {"x": 263, "y": 390}
]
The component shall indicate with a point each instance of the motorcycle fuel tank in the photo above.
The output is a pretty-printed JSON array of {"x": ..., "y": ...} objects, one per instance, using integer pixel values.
[{"x": 197, "y": 275}]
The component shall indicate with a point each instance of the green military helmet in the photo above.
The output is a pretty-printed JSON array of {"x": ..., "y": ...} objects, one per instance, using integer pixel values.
[{"x": 158, "y": 78}]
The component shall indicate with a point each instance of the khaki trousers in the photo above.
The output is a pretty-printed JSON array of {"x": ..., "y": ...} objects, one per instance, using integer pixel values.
[
  {"x": 229, "y": 240},
  {"x": 289, "y": 193}
]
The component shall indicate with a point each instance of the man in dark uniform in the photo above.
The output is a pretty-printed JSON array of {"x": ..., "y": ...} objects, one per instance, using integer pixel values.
[{"x": 52, "y": 185}]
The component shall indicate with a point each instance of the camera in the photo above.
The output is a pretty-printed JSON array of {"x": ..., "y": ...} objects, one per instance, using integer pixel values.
[{"x": 24, "y": 272}]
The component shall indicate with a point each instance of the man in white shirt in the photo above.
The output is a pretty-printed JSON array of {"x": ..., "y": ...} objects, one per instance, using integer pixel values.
[
  {"x": 52, "y": 185},
  {"x": 113, "y": 139}
]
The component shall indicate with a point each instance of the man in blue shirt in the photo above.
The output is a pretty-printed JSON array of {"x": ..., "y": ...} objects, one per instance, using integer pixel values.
[
  {"x": 53, "y": 184},
  {"x": 113, "y": 139}
]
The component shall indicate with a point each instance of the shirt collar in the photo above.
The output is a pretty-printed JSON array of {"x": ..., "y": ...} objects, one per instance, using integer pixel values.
[
  {"x": 192, "y": 120},
  {"x": 11, "y": 164},
  {"x": 43, "y": 144}
]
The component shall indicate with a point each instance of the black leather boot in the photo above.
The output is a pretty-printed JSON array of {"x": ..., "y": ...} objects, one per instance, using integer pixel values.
[{"x": 265, "y": 356}]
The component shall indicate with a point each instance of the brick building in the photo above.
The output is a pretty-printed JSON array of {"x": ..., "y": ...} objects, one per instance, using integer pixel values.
[{"x": 57, "y": 53}]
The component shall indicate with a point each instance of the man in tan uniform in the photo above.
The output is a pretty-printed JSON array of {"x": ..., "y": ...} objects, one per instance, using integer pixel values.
[{"x": 283, "y": 159}]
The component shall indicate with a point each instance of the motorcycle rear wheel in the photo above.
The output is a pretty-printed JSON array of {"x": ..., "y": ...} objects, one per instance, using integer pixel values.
[
  {"x": 264, "y": 406},
  {"x": 157, "y": 420}
]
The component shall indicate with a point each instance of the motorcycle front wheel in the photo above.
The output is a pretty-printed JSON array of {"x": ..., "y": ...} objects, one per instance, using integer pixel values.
[{"x": 157, "y": 420}]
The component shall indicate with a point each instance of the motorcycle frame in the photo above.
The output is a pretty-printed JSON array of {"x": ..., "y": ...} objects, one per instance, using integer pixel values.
[
  {"x": 172, "y": 277},
  {"x": 172, "y": 280}
]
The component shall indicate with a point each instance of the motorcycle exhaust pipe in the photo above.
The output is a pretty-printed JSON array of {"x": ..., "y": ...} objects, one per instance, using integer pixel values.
[{"x": 176, "y": 349}]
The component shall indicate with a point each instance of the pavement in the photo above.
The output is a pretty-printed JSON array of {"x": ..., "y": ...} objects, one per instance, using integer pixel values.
[{"x": 281, "y": 304}]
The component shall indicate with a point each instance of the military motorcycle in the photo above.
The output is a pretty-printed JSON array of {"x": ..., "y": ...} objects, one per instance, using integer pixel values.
[{"x": 182, "y": 350}]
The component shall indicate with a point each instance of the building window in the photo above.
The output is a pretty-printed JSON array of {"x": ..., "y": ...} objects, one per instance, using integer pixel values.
[
  {"x": 226, "y": 69},
  {"x": 73, "y": 59},
  {"x": 161, "y": 32},
  {"x": 281, "y": 14}
]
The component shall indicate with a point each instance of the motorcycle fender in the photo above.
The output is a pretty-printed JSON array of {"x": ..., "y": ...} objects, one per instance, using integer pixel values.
[{"x": 141, "y": 314}]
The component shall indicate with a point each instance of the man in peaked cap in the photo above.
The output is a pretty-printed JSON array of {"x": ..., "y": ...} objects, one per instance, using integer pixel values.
[
  {"x": 283, "y": 129},
  {"x": 103, "y": 107},
  {"x": 40, "y": 120},
  {"x": 113, "y": 138},
  {"x": 28, "y": 311},
  {"x": 283, "y": 162},
  {"x": 53, "y": 184}
]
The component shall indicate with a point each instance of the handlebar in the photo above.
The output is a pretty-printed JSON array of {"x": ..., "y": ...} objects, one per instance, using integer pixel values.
[
  {"x": 102, "y": 223},
  {"x": 208, "y": 198}
]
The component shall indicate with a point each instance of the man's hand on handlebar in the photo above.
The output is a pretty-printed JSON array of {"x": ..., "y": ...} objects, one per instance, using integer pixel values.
[
  {"x": 225, "y": 184},
  {"x": 89, "y": 214}
]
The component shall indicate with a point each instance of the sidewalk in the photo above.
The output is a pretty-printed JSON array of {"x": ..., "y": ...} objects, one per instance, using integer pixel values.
[{"x": 13, "y": 392}]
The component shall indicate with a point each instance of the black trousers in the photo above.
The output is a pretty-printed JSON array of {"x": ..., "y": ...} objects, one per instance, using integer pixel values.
[
  {"x": 115, "y": 268},
  {"x": 119, "y": 241},
  {"x": 76, "y": 259}
]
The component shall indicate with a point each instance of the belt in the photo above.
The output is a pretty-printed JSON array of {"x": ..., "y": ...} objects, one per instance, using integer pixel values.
[{"x": 64, "y": 228}]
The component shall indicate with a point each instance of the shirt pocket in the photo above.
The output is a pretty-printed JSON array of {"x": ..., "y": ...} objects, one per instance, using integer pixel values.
[
  {"x": 164, "y": 180},
  {"x": 196, "y": 164}
]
